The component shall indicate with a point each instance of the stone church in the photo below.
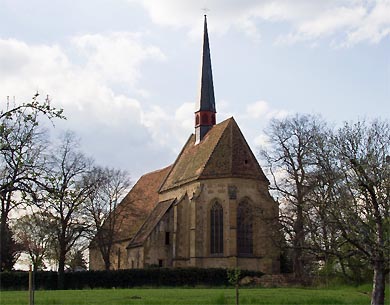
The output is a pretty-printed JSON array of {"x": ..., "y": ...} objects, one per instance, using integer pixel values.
[{"x": 210, "y": 208}]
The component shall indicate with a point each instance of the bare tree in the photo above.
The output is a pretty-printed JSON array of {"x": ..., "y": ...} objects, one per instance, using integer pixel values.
[
  {"x": 21, "y": 145},
  {"x": 66, "y": 190},
  {"x": 110, "y": 187},
  {"x": 291, "y": 161},
  {"x": 324, "y": 237},
  {"x": 362, "y": 209}
]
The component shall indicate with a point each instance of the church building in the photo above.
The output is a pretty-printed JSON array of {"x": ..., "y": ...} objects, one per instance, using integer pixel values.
[{"x": 211, "y": 208}]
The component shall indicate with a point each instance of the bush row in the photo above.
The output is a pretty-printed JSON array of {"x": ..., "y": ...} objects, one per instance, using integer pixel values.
[
  {"x": 122, "y": 278},
  {"x": 19, "y": 280}
]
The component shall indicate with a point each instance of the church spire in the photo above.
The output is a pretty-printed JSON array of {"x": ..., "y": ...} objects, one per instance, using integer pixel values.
[{"x": 205, "y": 113}]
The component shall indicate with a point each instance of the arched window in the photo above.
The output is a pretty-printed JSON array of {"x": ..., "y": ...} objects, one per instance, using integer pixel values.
[
  {"x": 205, "y": 119},
  {"x": 244, "y": 229},
  {"x": 197, "y": 120},
  {"x": 216, "y": 229},
  {"x": 213, "y": 119}
]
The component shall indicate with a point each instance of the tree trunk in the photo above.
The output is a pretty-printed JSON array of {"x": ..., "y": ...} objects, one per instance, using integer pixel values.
[
  {"x": 378, "y": 289},
  {"x": 3, "y": 242},
  {"x": 107, "y": 263},
  {"x": 105, "y": 253},
  {"x": 298, "y": 245},
  {"x": 35, "y": 266},
  {"x": 8, "y": 247},
  {"x": 5, "y": 238},
  {"x": 61, "y": 270}
]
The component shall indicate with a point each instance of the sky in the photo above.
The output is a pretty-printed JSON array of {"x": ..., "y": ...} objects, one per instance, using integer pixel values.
[{"x": 127, "y": 72}]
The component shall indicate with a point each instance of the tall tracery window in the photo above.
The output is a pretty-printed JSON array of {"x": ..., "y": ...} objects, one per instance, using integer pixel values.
[
  {"x": 216, "y": 229},
  {"x": 244, "y": 229}
]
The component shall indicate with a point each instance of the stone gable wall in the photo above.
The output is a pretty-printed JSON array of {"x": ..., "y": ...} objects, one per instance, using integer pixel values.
[
  {"x": 192, "y": 224},
  {"x": 135, "y": 257},
  {"x": 118, "y": 257},
  {"x": 157, "y": 249}
]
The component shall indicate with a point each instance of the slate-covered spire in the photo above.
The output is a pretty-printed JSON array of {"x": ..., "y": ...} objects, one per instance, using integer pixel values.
[{"x": 205, "y": 113}]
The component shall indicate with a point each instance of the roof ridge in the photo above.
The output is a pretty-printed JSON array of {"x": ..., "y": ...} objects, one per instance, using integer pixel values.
[
  {"x": 228, "y": 122},
  {"x": 140, "y": 180},
  {"x": 193, "y": 158},
  {"x": 174, "y": 163},
  {"x": 156, "y": 171}
]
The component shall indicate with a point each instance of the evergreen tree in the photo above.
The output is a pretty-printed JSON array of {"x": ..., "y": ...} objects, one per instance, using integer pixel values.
[{"x": 9, "y": 249}]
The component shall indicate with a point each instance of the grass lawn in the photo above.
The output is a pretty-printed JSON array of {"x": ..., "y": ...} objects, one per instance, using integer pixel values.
[{"x": 167, "y": 296}]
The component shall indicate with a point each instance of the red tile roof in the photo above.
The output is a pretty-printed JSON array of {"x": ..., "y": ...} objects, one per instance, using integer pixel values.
[
  {"x": 154, "y": 217},
  {"x": 138, "y": 203}
]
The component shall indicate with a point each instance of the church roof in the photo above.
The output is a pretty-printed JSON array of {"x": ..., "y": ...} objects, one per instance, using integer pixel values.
[
  {"x": 223, "y": 152},
  {"x": 138, "y": 203},
  {"x": 154, "y": 217}
]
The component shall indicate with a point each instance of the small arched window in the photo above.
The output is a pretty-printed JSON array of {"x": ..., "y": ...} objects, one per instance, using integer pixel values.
[
  {"x": 197, "y": 120},
  {"x": 205, "y": 119},
  {"x": 213, "y": 119},
  {"x": 216, "y": 228},
  {"x": 244, "y": 229}
]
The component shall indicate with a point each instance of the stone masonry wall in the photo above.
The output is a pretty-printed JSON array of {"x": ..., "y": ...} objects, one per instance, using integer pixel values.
[{"x": 192, "y": 224}]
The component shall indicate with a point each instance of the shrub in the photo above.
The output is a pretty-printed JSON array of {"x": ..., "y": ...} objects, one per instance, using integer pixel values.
[{"x": 153, "y": 277}]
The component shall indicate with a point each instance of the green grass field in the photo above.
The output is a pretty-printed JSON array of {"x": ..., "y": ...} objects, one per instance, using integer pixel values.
[{"x": 285, "y": 296}]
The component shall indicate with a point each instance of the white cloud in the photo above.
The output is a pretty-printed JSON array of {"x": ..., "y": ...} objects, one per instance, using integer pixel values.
[
  {"x": 30, "y": 66},
  {"x": 257, "y": 109},
  {"x": 375, "y": 26},
  {"x": 116, "y": 57},
  {"x": 184, "y": 116},
  {"x": 171, "y": 12},
  {"x": 329, "y": 22},
  {"x": 224, "y": 110},
  {"x": 261, "y": 141},
  {"x": 170, "y": 130},
  {"x": 277, "y": 114},
  {"x": 354, "y": 20},
  {"x": 261, "y": 109},
  {"x": 111, "y": 125}
]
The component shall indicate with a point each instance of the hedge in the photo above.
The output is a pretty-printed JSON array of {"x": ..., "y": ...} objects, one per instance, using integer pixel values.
[{"x": 153, "y": 277}]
